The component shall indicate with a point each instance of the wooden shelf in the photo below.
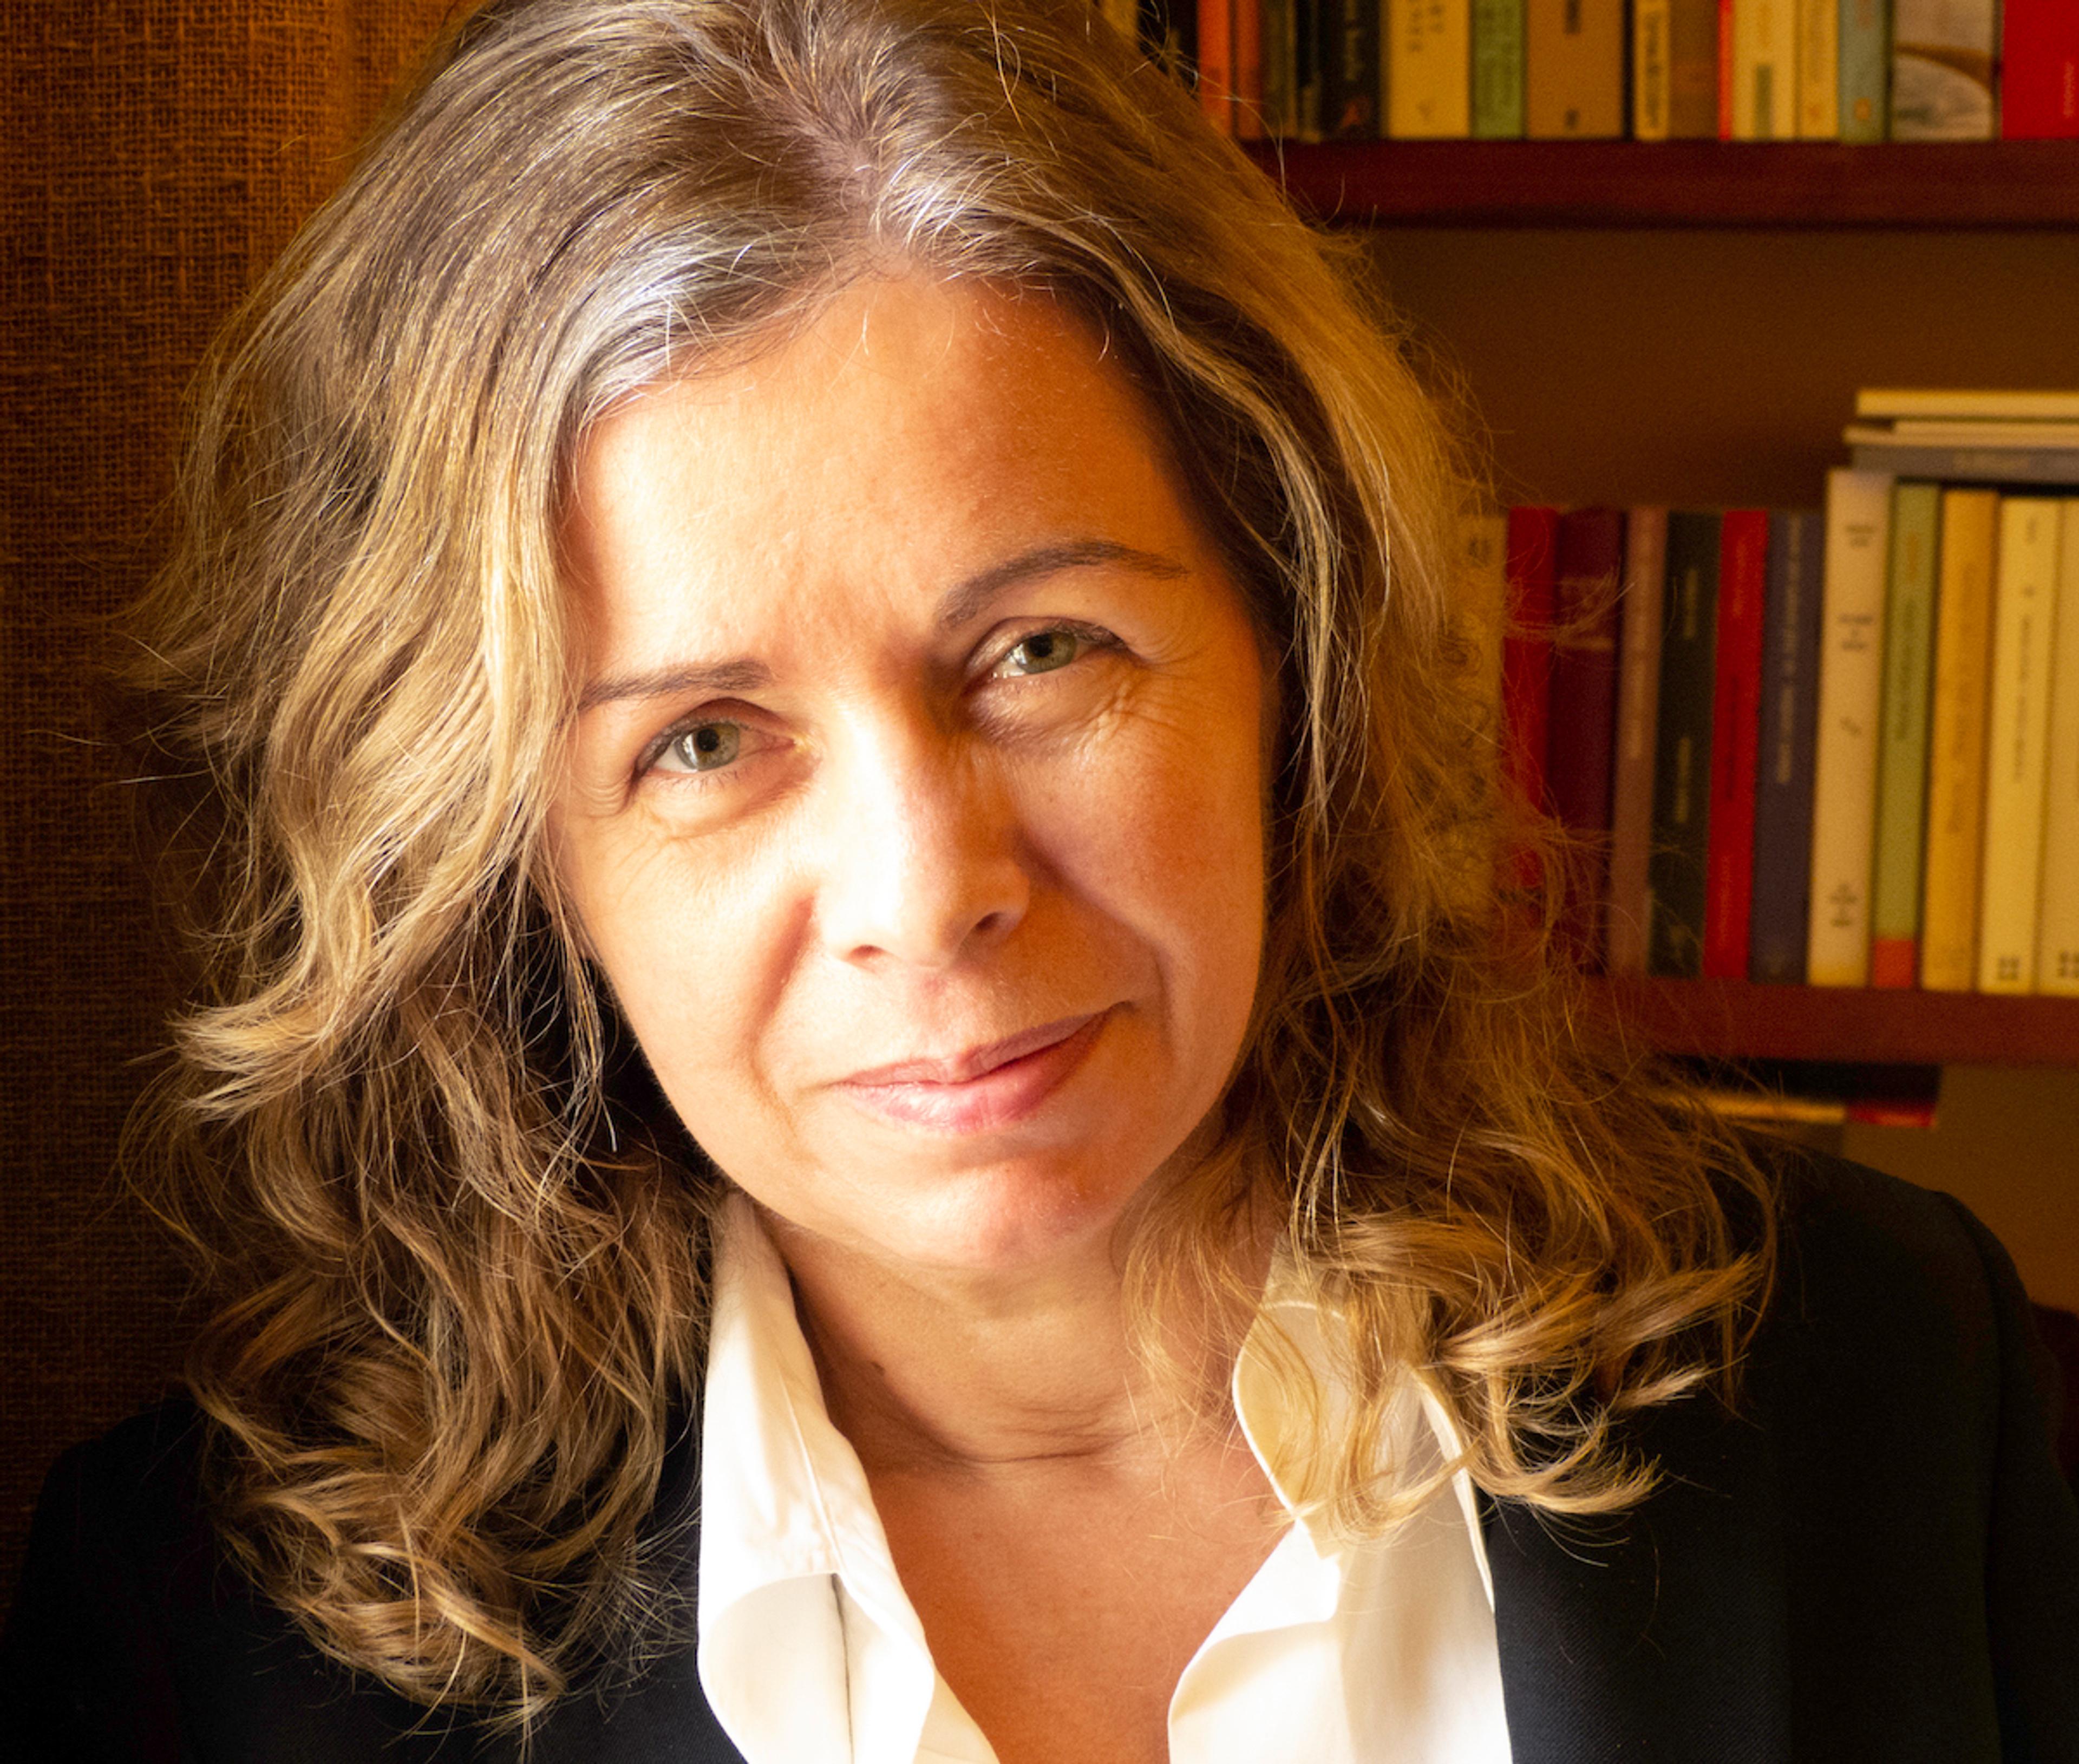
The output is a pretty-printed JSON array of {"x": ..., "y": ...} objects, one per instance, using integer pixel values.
[
  {"x": 1971, "y": 184},
  {"x": 1733, "y": 1020}
]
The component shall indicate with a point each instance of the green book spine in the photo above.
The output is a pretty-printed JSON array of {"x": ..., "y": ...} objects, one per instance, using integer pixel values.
[
  {"x": 1682, "y": 746},
  {"x": 1865, "y": 69},
  {"x": 1497, "y": 69},
  {"x": 1909, "y": 681}
]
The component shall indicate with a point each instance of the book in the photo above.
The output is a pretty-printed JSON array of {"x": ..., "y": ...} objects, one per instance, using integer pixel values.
[
  {"x": 1631, "y": 782},
  {"x": 1735, "y": 738},
  {"x": 1279, "y": 29},
  {"x": 1845, "y": 760},
  {"x": 1956, "y": 742},
  {"x": 2017, "y": 743},
  {"x": 1783, "y": 783},
  {"x": 1249, "y": 118},
  {"x": 1675, "y": 865},
  {"x": 1582, "y": 728},
  {"x": 2057, "y": 942},
  {"x": 1429, "y": 58},
  {"x": 1908, "y": 658},
  {"x": 1818, "y": 70},
  {"x": 1651, "y": 87},
  {"x": 1526, "y": 651},
  {"x": 1692, "y": 69},
  {"x": 1883, "y": 403},
  {"x": 2038, "y": 69},
  {"x": 1943, "y": 53},
  {"x": 1765, "y": 70},
  {"x": 1351, "y": 75},
  {"x": 1497, "y": 81},
  {"x": 1910, "y": 459},
  {"x": 1864, "y": 54},
  {"x": 1574, "y": 70},
  {"x": 1216, "y": 62}
]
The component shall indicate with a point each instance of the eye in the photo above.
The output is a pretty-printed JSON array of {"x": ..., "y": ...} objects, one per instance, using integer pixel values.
[
  {"x": 702, "y": 747},
  {"x": 1042, "y": 652}
]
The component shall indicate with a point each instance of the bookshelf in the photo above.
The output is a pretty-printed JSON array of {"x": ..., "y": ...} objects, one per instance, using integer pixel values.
[
  {"x": 1735, "y": 1020},
  {"x": 1588, "y": 289},
  {"x": 2025, "y": 185}
]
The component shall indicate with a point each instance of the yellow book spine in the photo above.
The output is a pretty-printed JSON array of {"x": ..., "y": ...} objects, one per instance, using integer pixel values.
[
  {"x": 1818, "y": 70},
  {"x": 1650, "y": 69},
  {"x": 1429, "y": 69},
  {"x": 1956, "y": 742},
  {"x": 2018, "y": 743},
  {"x": 2057, "y": 943}
]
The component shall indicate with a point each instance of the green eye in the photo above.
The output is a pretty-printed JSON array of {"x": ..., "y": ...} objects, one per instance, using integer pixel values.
[
  {"x": 705, "y": 746},
  {"x": 1043, "y": 652}
]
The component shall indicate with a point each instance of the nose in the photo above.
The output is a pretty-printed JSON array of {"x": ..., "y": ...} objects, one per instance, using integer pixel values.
[{"x": 922, "y": 862}]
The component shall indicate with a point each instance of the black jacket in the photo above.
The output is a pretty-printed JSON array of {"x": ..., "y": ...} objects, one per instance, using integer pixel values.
[{"x": 1875, "y": 1560}]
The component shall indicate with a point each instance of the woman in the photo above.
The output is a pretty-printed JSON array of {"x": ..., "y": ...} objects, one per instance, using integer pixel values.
[{"x": 856, "y": 1088}]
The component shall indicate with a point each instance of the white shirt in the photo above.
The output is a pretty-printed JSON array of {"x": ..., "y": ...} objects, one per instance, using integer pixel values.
[{"x": 811, "y": 1652}]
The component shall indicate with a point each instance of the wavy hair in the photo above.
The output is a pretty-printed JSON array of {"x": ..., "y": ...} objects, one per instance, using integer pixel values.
[{"x": 459, "y": 1260}]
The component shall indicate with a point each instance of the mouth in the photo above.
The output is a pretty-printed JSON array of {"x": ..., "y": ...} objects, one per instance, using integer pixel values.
[{"x": 980, "y": 1087}]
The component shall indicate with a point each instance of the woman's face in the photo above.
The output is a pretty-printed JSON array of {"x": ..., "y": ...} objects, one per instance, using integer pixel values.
[{"x": 914, "y": 807}]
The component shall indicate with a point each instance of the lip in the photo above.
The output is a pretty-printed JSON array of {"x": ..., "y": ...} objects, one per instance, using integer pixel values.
[{"x": 981, "y": 1088}]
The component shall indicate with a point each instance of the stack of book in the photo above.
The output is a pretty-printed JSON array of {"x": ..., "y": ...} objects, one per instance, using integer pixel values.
[
  {"x": 1835, "y": 747},
  {"x": 1851, "y": 70}
]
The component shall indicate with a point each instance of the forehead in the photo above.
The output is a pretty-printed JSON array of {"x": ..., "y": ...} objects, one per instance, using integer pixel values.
[{"x": 913, "y": 432}]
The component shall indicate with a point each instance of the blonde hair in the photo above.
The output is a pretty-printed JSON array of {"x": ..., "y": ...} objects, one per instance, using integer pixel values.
[{"x": 459, "y": 1254}]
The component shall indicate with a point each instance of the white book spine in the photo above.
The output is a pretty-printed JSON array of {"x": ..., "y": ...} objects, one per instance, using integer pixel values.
[
  {"x": 2018, "y": 743},
  {"x": 1844, "y": 792},
  {"x": 1819, "y": 70},
  {"x": 1765, "y": 70},
  {"x": 2057, "y": 944}
]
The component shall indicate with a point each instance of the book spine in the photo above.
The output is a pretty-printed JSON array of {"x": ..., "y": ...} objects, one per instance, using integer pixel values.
[
  {"x": 1692, "y": 69},
  {"x": 1735, "y": 740},
  {"x": 1943, "y": 53},
  {"x": 1956, "y": 742},
  {"x": 1975, "y": 464},
  {"x": 1818, "y": 70},
  {"x": 1277, "y": 27},
  {"x": 1307, "y": 69},
  {"x": 2057, "y": 945},
  {"x": 1727, "y": 30},
  {"x": 1631, "y": 780},
  {"x": 1651, "y": 82},
  {"x": 1216, "y": 62},
  {"x": 1526, "y": 651},
  {"x": 1783, "y": 785},
  {"x": 1430, "y": 49},
  {"x": 2038, "y": 69},
  {"x": 1350, "y": 71},
  {"x": 1865, "y": 57},
  {"x": 1845, "y": 765},
  {"x": 1248, "y": 70},
  {"x": 1916, "y": 516},
  {"x": 1765, "y": 70},
  {"x": 2017, "y": 743},
  {"x": 1583, "y": 730},
  {"x": 1497, "y": 69},
  {"x": 1574, "y": 70},
  {"x": 1682, "y": 747}
]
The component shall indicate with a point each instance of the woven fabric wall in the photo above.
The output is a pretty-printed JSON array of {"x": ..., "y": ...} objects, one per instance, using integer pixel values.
[{"x": 158, "y": 154}]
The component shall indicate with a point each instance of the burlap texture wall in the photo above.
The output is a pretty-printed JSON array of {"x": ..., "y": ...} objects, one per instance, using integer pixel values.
[{"x": 158, "y": 154}]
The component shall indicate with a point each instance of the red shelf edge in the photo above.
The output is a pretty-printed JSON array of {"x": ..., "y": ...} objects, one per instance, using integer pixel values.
[{"x": 1735, "y": 1020}]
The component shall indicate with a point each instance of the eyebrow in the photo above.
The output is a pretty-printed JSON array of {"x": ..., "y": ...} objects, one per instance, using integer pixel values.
[{"x": 962, "y": 602}]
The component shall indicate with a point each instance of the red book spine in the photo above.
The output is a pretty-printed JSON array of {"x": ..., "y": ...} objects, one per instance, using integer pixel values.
[
  {"x": 1249, "y": 123},
  {"x": 2039, "y": 70},
  {"x": 1735, "y": 742},
  {"x": 1216, "y": 62},
  {"x": 1581, "y": 742},
  {"x": 1526, "y": 654}
]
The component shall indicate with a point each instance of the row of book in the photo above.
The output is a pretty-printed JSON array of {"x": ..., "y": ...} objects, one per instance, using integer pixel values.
[
  {"x": 1834, "y": 747},
  {"x": 1849, "y": 70}
]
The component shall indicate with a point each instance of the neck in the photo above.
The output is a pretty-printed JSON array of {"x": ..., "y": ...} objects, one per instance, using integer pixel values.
[{"x": 927, "y": 1368}]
